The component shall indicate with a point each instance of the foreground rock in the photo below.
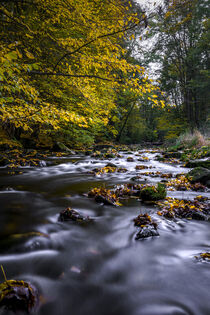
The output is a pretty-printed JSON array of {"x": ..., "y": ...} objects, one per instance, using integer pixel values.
[
  {"x": 199, "y": 175},
  {"x": 18, "y": 296},
  {"x": 153, "y": 193}
]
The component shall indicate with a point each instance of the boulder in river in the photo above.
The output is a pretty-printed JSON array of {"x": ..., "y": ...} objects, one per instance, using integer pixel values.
[
  {"x": 18, "y": 296},
  {"x": 73, "y": 215},
  {"x": 199, "y": 175},
  {"x": 153, "y": 193},
  {"x": 169, "y": 155},
  {"x": 146, "y": 232},
  {"x": 105, "y": 196},
  {"x": 185, "y": 209},
  {"x": 148, "y": 227},
  {"x": 198, "y": 163}
]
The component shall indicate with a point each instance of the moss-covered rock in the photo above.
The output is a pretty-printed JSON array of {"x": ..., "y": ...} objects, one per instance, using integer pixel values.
[
  {"x": 199, "y": 175},
  {"x": 169, "y": 155},
  {"x": 18, "y": 296},
  {"x": 73, "y": 215},
  {"x": 198, "y": 163},
  {"x": 152, "y": 193}
]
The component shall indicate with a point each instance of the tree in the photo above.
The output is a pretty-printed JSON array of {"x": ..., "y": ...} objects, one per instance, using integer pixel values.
[
  {"x": 62, "y": 62},
  {"x": 182, "y": 42}
]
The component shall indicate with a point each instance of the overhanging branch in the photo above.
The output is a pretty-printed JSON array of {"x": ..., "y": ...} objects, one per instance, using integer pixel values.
[
  {"x": 95, "y": 39},
  {"x": 68, "y": 75}
]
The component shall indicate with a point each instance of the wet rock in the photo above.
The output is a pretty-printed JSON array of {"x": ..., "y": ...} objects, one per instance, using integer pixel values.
[
  {"x": 137, "y": 178},
  {"x": 73, "y": 215},
  {"x": 153, "y": 193},
  {"x": 185, "y": 209},
  {"x": 122, "y": 170},
  {"x": 143, "y": 220},
  {"x": 111, "y": 165},
  {"x": 148, "y": 227},
  {"x": 141, "y": 167},
  {"x": 105, "y": 196},
  {"x": 169, "y": 155},
  {"x": 143, "y": 159},
  {"x": 105, "y": 200},
  {"x": 146, "y": 232},
  {"x": 18, "y": 296},
  {"x": 130, "y": 159},
  {"x": 196, "y": 215},
  {"x": 109, "y": 155},
  {"x": 198, "y": 163},
  {"x": 199, "y": 175}
]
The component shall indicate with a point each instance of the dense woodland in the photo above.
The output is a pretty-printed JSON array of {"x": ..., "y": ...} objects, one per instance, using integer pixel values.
[{"x": 80, "y": 72}]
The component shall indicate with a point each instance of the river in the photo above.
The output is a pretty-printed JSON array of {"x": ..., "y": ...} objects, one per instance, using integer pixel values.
[{"x": 99, "y": 268}]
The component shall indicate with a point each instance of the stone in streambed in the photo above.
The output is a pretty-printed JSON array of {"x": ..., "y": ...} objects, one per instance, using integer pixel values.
[
  {"x": 169, "y": 155},
  {"x": 18, "y": 296},
  {"x": 73, "y": 215},
  {"x": 199, "y": 175},
  {"x": 153, "y": 193},
  {"x": 198, "y": 163},
  {"x": 146, "y": 232}
]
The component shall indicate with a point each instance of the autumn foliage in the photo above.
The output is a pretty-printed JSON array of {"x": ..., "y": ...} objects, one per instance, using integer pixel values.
[{"x": 62, "y": 63}]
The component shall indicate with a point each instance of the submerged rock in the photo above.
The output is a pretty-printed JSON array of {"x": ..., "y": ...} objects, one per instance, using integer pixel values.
[
  {"x": 18, "y": 296},
  {"x": 73, "y": 215}
]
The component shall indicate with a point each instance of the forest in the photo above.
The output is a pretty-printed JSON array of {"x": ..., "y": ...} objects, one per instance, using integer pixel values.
[
  {"x": 104, "y": 157},
  {"x": 83, "y": 72}
]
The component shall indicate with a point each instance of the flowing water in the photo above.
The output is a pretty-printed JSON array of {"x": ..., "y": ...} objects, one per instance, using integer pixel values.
[{"x": 100, "y": 268}]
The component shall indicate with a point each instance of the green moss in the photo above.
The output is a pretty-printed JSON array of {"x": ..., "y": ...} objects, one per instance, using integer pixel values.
[{"x": 152, "y": 193}]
